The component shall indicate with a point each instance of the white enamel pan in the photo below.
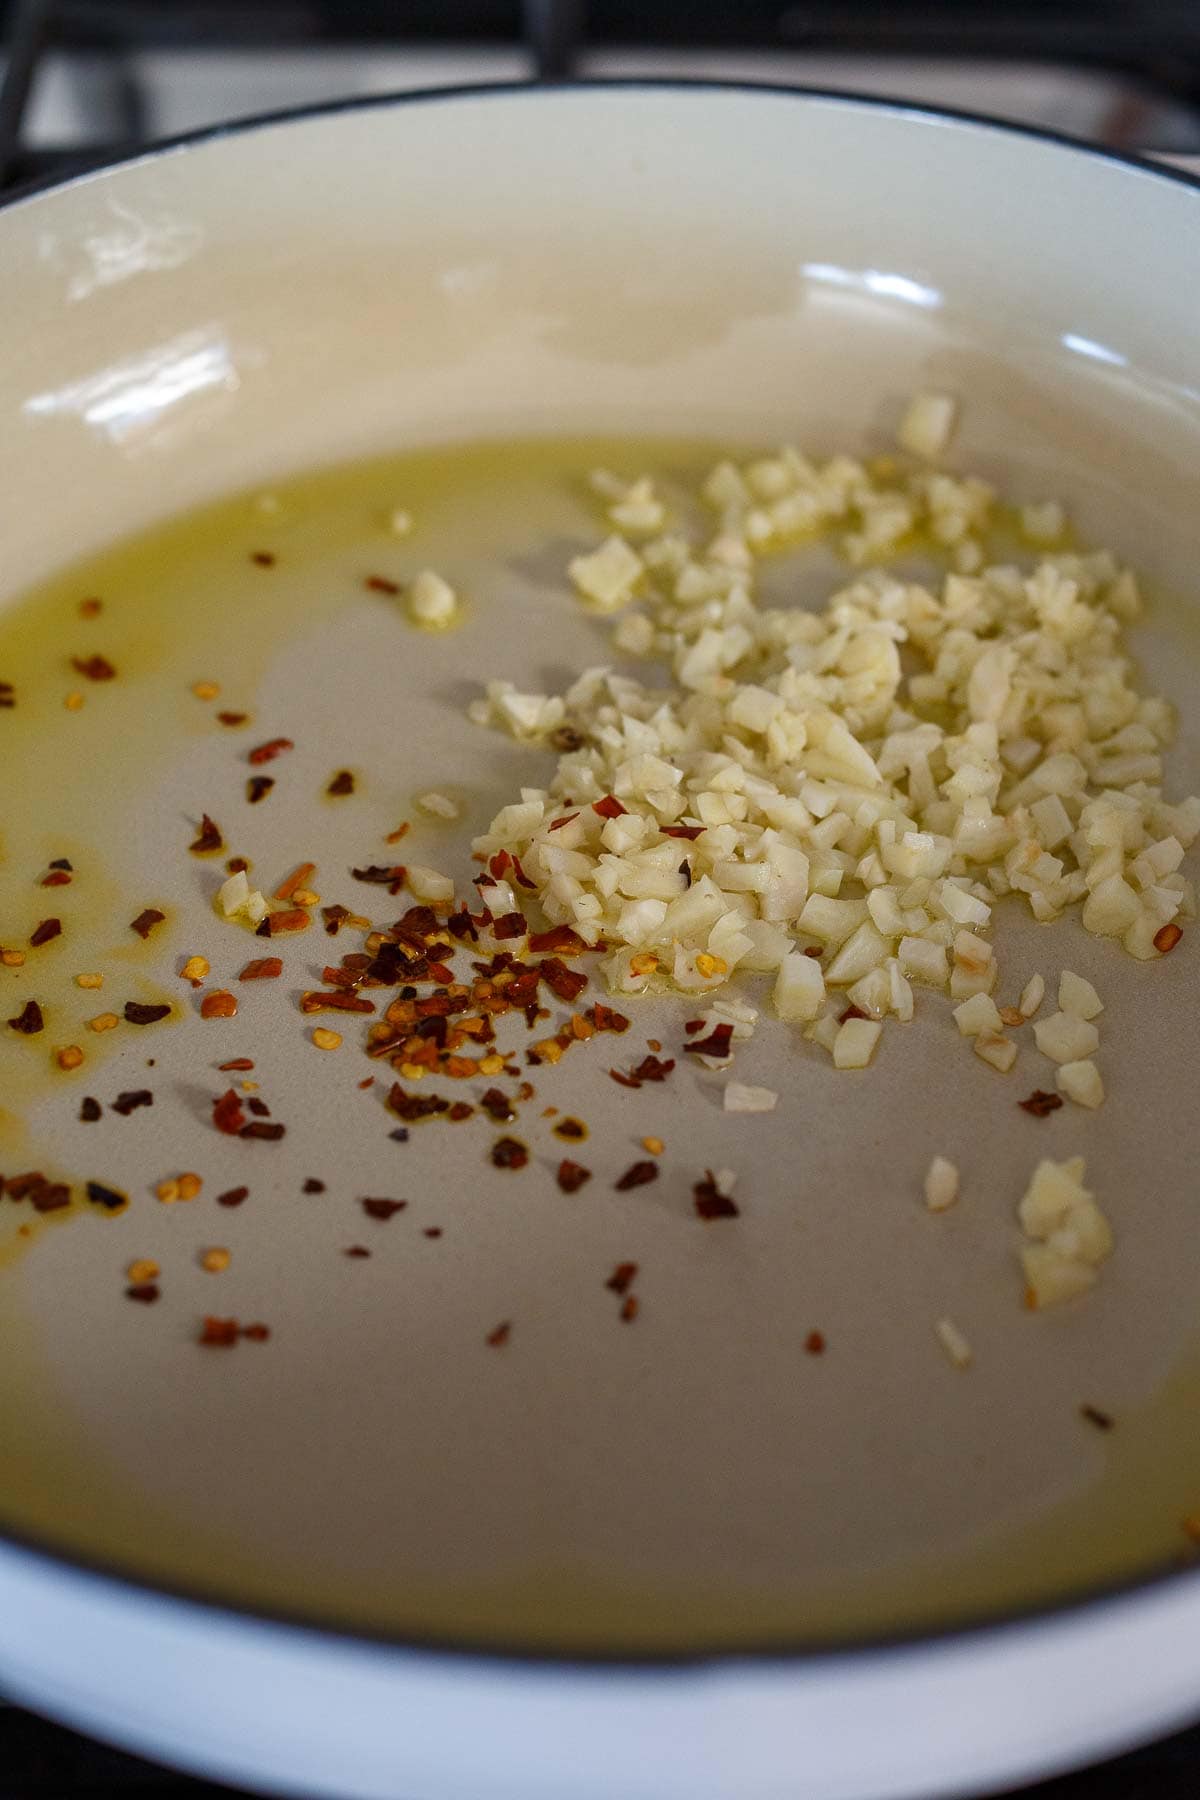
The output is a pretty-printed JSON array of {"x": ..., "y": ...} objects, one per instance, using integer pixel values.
[{"x": 680, "y": 1561}]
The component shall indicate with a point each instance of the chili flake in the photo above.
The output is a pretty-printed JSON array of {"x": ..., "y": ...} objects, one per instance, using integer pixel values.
[
  {"x": 258, "y": 1128},
  {"x": 341, "y": 785},
  {"x": 500, "y": 1335},
  {"x": 814, "y": 1343},
  {"x": 608, "y": 808},
  {"x": 710, "y": 1202},
  {"x": 262, "y": 968},
  {"x": 90, "y": 1110},
  {"x": 622, "y": 1276},
  {"x": 95, "y": 668},
  {"x": 232, "y": 718},
  {"x": 42, "y": 934},
  {"x": 56, "y": 878},
  {"x": 265, "y": 753},
  {"x": 1101, "y": 1420},
  {"x": 146, "y": 1291},
  {"x": 636, "y": 1175},
  {"x": 132, "y": 1100},
  {"x": 629, "y": 1308},
  {"x": 295, "y": 919},
  {"x": 258, "y": 787},
  {"x": 111, "y": 1199},
  {"x": 233, "y": 1196},
  {"x": 509, "y": 1153},
  {"x": 235, "y": 1062},
  {"x": 263, "y": 559},
  {"x": 1040, "y": 1103},
  {"x": 208, "y": 838},
  {"x": 358, "y": 1250},
  {"x": 29, "y": 1020},
  {"x": 380, "y": 584},
  {"x": 392, "y": 878},
  {"x": 571, "y": 1176},
  {"x": 716, "y": 1044},
  {"x": 227, "y": 1113},
  {"x": 313, "y": 1186},
  {"x": 220, "y": 1004},
  {"x": 571, "y": 1129},
  {"x": 139, "y": 1014},
  {"x": 146, "y": 921},
  {"x": 383, "y": 1209},
  {"x": 690, "y": 832}
]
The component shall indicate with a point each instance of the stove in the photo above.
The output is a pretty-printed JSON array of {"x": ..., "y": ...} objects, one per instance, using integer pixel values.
[{"x": 84, "y": 80}]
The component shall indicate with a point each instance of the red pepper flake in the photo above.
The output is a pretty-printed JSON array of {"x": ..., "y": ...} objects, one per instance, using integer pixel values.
[
  {"x": 651, "y": 1069},
  {"x": 111, "y": 1199},
  {"x": 500, "y": 1336},
  {"x": 565, "y": 984},
  {"x": 262, "y": 968},
  {"x": 608, "y": 808},
  {"x": 621, "y": 1278},
  {"x": 49, "y": 928},
  {"x": 267, "y": 1134},
  {"x": 509, "y": 1153},
  {"x": 636, "y": 1175},
  {"x": 7, "y": 697},
  {"x": 129, "y": 1102},
  {"x": 265, "y": 753},
  {"x": 571, "y": 1129},
  {"x": 208, "y": 838},
  {"x": 278, "y": 924},
  {"x": 383, "y": 1209},
  {"x": 710, "y": 1202},
  {"x": 257, "y": 1334},
  {"x": 629, "y": 1309},
  {"x": 605, "y": 1019},
  {"x": 233, "y": 1196},
  {"x": 1101, "y": 1420},
  {"x": 401, "y": 831},
  {"x": 358, "y": 1250},
  {"x": 146, "y": 1291},
  {"x": 1040, "y": 1103},
  {"x": 258, "y": 1107},
  {"x": 337, "y": 1001},
  {"x": 814, "y": 1343},
  {"x": 623, "y": 1080},
  {"x": 459, "y": 1111},
  {"x": 571, "y": 1176},
  {"x": 1166, "y": 938},
  {"x": 29, "y": 1020},
  {"x": 498, "y": 1106},
  {"x": 90, "y": 608},
  {"x": 559, "y": 938},
  {"x": 233, "y": 719},
  {"x": 49, "y": 1196},
  {"x": 690, "y": 832},
  {"x": 56, "y": 878},
  {"x": 263, "y": 559},
  {"x": 95, "y": 668},
  {"x": 341, "y": 785},
  {"x": 258, "y": 787},
  {"x": 139, "y": 1014},
  {"x": 224, "y": 1332},
  {"x": 89, "y": 1112},
  {"x": 313, "y": 1186},
  {"x": 557, "y": 824},
  {"x": 814, "y": 950},
  {"x": 716, "y": 1044},
  {"x": 510, "y": 925},
  {"x": 377, "y": 875},
  {"x": 415, "y": 1106},
  {"x": 380, "y": 584},
  {"x": 694, "y": 1025},
  {"x": 146, "y": 921},
  {"x": 227, "y": 1113},
  {"x": 239, "y": 1063},
  {"x": 236, "y": 863}
]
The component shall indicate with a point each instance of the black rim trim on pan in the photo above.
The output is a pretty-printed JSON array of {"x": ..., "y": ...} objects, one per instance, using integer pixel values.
[{"x": 1075, "y": 1602}]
